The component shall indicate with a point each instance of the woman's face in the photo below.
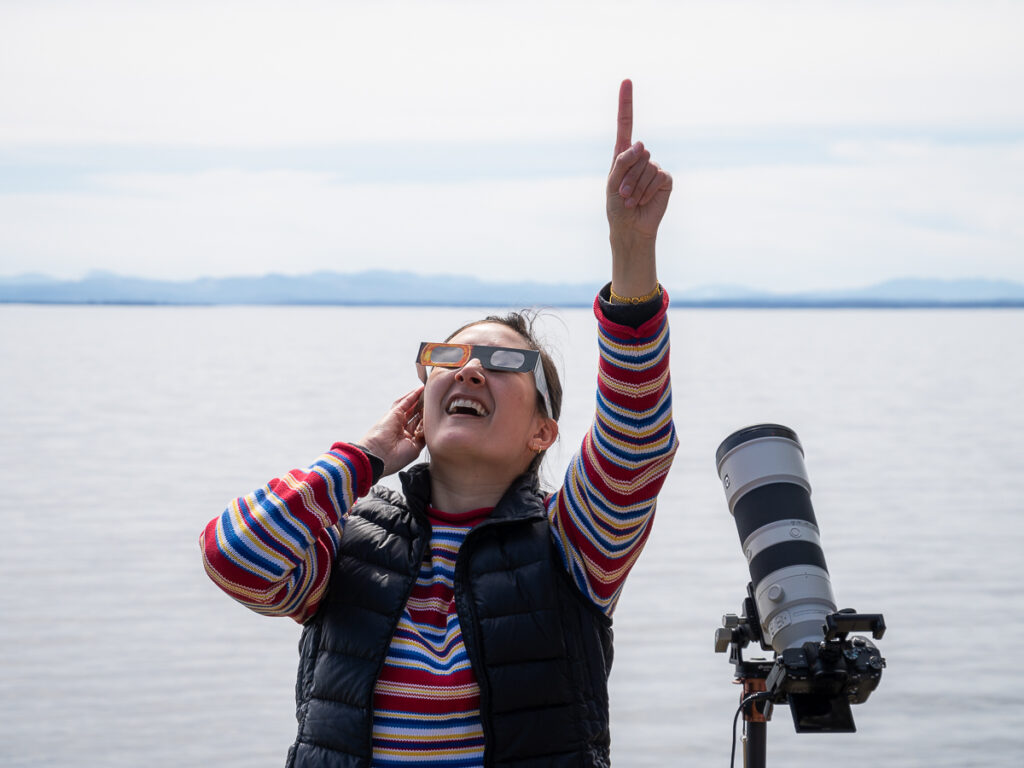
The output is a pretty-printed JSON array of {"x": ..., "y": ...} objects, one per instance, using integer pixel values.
[{"x": 484, "y": 417}]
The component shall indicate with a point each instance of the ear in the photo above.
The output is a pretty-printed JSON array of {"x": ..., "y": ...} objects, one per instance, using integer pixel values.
[{"x": 544, "y": 434}]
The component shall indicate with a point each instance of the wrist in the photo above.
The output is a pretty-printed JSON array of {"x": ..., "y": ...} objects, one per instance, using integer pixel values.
[
  {"x": 634, "y": 278},
  {"x": 377, "y": 466},
  {"x": 632, "y": 246},
  {"x": 650, "y": 296},
  {"x": 634, "y": 266}
]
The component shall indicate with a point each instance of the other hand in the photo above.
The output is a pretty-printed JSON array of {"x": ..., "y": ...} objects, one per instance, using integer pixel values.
[{"x": 397, "y": 438}]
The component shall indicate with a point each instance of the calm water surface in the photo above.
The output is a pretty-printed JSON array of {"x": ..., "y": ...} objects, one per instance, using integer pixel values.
[{"x": 124, "y": 429}]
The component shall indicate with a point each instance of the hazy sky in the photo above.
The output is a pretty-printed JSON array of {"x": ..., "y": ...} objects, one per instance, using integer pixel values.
[{"x": 813, "y": 144}]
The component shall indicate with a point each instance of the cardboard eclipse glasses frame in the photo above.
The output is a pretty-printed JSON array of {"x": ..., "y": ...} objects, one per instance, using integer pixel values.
[{"x": 506, "y": 359}]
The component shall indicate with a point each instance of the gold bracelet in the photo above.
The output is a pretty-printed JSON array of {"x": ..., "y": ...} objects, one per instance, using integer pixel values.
[{"x": 616, "y": 299}]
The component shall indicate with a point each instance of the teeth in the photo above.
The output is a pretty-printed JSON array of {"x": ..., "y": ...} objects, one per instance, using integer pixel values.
[{"x": 461, "y": 402}]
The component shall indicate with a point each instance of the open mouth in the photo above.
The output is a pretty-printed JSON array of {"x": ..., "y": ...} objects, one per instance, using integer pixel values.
[{"x": 463, "y": 406}]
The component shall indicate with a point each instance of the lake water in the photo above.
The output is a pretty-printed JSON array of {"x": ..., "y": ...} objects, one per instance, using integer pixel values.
[{"x": 124, "y": 429}]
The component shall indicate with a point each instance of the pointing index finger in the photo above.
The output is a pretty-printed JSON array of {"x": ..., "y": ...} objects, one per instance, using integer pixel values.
[{"x": 624, "y": 135}]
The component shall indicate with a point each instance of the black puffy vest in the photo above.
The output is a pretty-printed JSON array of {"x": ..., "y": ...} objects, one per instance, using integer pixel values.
[{"x": 540, "y": 650}]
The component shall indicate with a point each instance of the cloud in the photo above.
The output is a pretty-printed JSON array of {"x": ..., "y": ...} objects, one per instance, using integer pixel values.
[
  {"x": 876, "y": 210},
  {"x": 262, "y": 73},
  {"x": 232, "y": 222},
  {"x": 881, "y": 210}
]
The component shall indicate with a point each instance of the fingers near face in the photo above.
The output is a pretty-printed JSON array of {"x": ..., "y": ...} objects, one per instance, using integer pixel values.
[{"x": 409, "y": 398}]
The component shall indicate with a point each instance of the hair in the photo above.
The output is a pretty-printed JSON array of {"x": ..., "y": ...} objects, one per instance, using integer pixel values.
[{"x": 523, "y": 323}]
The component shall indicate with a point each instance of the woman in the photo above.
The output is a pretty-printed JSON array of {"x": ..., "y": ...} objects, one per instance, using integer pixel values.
[{"x": 467, "y": 621}]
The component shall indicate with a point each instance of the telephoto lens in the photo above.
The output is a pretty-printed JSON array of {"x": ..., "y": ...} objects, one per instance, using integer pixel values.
[{"x": 769, "y": 495}]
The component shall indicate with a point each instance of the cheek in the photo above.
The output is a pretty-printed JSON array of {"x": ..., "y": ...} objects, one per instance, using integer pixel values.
[
  {"x": 520, "y": 400},
  {"x": 432, "y": 393}
]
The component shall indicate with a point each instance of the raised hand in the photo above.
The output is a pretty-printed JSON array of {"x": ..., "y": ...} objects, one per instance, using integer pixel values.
[
  {"x": 397, "y": 438},
  {"x": 636, "y": 199}
]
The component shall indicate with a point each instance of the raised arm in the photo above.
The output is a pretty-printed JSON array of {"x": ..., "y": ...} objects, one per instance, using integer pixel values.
[
  {"x": 636, "y": 199},
  {"x": 602, "y": 515}
]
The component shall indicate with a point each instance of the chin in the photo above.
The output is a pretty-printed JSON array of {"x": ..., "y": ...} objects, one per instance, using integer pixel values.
[
  {"x": 457, "y": 446},
  {"x": 470, "y": 451}
]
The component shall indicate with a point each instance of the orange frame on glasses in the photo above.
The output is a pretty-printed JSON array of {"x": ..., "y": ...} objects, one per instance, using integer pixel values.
[{"x": 425, "y": 356}]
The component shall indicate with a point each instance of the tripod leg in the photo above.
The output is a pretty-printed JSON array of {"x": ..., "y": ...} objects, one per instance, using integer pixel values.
[
  {"x": 754, "y": 745},
  {"x": 756, "y": 715}
]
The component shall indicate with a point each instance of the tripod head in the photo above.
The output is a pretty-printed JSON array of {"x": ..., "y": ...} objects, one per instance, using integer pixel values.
[{"x": 819, "y": 680}]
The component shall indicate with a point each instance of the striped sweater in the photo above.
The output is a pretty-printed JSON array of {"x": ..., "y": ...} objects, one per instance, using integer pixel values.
[
  {"x": 273, "y": 549},
  {"x": 426, "y": 701}
]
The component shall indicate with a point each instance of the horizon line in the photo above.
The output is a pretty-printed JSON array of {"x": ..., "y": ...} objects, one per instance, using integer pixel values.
[
  {"x": 782, "y": 303},
  {"x": 99, "y": 273}
]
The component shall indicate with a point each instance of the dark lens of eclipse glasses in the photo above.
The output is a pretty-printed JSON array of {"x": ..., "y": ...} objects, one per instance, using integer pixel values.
[
  {"x": 510, "y": 359},
  {"x": 443, "y": 354}
]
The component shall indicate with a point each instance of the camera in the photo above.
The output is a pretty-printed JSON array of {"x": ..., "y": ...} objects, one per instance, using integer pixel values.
[{"x": 818, "y": 669}]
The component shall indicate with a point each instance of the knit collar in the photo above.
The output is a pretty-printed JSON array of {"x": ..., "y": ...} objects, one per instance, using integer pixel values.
[{"x": 460, "y": 519}]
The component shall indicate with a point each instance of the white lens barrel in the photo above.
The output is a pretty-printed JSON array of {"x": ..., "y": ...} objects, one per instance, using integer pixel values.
[
  {"x": 759, "y": 455},
  {"x": 769, "y": 495}
]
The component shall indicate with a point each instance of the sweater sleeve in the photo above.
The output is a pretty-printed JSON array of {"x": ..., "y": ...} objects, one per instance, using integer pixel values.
[
  {"x": 272, "y": 550},
  {"x": 602, "y": 514}
]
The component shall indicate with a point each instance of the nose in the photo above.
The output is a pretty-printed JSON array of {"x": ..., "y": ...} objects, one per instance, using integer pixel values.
[{"x": 473, "y": 372}]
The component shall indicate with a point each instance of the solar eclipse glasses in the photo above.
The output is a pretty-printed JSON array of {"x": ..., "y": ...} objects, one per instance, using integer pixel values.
[{"x": 507, "y": 359}]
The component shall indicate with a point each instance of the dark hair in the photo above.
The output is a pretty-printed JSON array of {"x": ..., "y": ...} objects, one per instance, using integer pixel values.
[{"x": 523, "y": 322}]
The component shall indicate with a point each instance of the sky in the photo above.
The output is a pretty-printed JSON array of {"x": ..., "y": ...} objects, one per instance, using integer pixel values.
[{"x": 813, "y": 145}]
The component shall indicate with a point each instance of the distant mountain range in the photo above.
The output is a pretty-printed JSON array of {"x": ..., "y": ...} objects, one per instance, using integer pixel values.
[{"x": 378, "y": 287}]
